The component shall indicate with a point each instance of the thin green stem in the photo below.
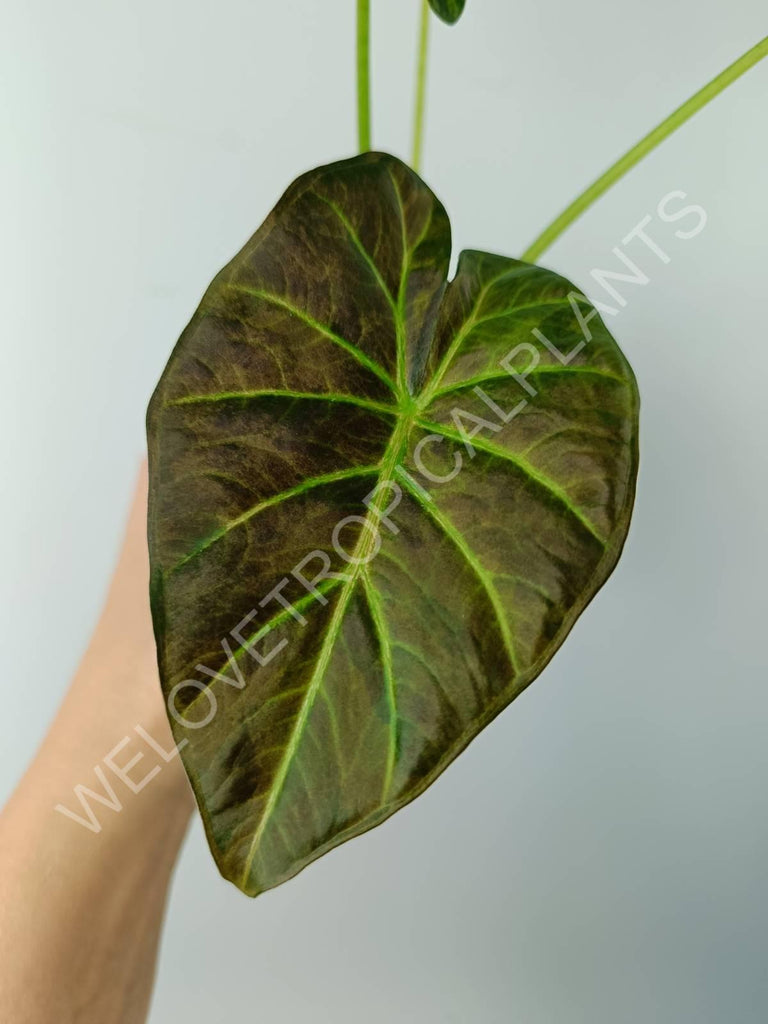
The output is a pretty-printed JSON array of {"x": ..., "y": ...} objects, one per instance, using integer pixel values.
[
  {"x": 421, "y": 87},
  {"x": 645, "y": 146},
  {"x": 364, "y": 75}
]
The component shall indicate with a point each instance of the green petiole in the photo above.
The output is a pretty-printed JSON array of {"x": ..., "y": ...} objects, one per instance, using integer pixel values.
[
  {"x": 364, "y": 75},
  {"x": 643, "y": 147},
  {"x": 421, "y": 87}
]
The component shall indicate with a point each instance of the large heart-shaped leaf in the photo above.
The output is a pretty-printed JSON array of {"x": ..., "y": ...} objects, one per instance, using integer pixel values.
[
  {"x": 448, "y": 10},
  {"x": 378, "y": 503}
]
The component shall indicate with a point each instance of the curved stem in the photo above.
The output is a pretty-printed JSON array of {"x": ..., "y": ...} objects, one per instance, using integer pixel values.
[
  {"x": 645, "y": 146},
  {"x": 364, "y": 75},
  {"x": 421, "y": 87}
]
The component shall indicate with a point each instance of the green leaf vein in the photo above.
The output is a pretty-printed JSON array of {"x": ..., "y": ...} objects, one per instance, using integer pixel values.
[
  {"x": 385, "y": 648},
  {"x": 482, "y": 574},
  {"x": 360, "y": 555},
  {"x": 555, "y": 371},
  {"x": 321, "y": 328},
  {"x": 313, "y": 396},
  {"x": 277, "y": 499},
  {"x": 525, "y": 467}
]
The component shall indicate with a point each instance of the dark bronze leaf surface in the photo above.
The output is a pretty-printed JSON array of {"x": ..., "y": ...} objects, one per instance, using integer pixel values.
[{"x": 378, "y": 503}]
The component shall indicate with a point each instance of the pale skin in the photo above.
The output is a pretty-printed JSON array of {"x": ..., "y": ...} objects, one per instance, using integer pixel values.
[{"x": 81, "y": 912}]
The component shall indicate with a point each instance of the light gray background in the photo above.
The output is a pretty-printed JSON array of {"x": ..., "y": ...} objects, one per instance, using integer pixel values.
[{"x": 599, "y": 854}]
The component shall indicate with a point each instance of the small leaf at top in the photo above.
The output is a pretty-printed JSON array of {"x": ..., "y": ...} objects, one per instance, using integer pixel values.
[
  {"x": 378, "y": 503},
  {"x": 448, "y": 10}
]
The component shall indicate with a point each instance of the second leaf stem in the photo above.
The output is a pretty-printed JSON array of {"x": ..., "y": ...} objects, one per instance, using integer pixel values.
[
  {"x": 421, "y": 87},
  {"x": 364, "y": 75},
  {"x": 643, "y": 147}
]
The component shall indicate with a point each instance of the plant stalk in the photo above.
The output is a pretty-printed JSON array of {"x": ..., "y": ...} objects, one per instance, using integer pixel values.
[
  {"x": 364, "y": 75},
  {"x": 421, "y": 87},
  {"x": 645, "y": 146}
]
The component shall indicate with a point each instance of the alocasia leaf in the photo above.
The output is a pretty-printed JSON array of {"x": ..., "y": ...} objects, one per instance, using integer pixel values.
[
  {"x": 378, "y": 504},
  {"x": 448, "y": 10}
]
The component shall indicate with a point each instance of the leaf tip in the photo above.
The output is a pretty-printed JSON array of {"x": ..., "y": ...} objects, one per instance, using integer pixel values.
[{"x": 448, "y": 11}]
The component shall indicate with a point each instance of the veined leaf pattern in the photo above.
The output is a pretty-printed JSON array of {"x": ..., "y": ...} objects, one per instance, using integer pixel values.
[{"x": 451, "y": 467}]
